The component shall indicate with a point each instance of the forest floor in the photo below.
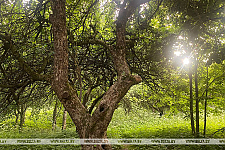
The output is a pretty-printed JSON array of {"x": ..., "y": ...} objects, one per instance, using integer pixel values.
[{"x": 135, "y": 124}]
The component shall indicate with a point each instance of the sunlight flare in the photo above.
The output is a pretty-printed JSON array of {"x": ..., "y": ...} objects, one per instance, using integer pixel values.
[{"x": 186, "y": 61}]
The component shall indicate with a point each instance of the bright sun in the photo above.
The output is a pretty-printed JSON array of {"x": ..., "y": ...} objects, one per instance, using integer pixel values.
[{"x": 186, "y": 61}]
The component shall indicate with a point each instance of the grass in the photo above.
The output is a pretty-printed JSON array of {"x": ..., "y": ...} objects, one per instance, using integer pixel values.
[
  {"x": 138, "y": 124},
  {"x": 144, "y": 124}
]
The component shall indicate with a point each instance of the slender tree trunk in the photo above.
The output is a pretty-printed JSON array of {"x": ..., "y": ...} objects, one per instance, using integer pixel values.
[
  {"x": 22, "y": 116},
  {"x": 206, "y": 97},
  {"x": 64, "y": 119},
  {"x": 197, "y": 98},
  {"x": 54, "y": 116},
  {"x": 191, "y": 103},
  {"x": 17, "y": 116}
]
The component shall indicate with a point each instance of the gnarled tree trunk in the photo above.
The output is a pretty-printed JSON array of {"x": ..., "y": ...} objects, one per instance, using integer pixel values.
[{"x": 95, "y": 125}]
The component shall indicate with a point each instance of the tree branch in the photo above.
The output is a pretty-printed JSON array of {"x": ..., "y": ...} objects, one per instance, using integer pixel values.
[
  {"x": 95, "y": 102},
  {"x": 8, "y": 45},
  {"x": 66, "y": 94},
  {"x": 94, "y": 41}
]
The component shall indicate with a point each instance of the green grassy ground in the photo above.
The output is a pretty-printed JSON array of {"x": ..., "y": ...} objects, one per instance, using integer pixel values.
[
  {"x": 143, "y": 124},
  {"x": 138, "y": 124}
]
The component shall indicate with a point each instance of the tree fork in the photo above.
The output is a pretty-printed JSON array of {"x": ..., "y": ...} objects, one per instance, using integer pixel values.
[{"x": 87, "y": 125}]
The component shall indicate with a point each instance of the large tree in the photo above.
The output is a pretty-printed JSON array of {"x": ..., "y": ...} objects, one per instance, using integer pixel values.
[
  {"x": 26, "y": 49},
  {"x": 90, "y": 123},
  {"x": 95, "y": 125}
]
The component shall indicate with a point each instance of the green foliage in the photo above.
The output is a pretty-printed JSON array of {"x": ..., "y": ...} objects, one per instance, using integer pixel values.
[
  {"x": 153, "y": 33},
  {"x": 137, "y": 124},
  {"x": 145, "y": 124},
  {"x": 41, "y": 120}
]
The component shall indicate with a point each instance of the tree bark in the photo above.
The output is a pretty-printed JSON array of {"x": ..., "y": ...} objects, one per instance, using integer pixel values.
[
  {"x": 191, "y": 102},
  {"x": 64, "y": 119},
  {"x": 22, "y": 116},
  {"x": 197, "y": 99},
  {"x": 54, "y": 116},
  {"x": 206, "y": 98},
  {"x": 17, "y": 116},
  {"x": 87, "y": 125}
]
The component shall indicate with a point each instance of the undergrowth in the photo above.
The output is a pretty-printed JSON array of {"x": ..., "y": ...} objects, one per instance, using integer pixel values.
[{"x": 136, "y": 124}]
